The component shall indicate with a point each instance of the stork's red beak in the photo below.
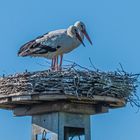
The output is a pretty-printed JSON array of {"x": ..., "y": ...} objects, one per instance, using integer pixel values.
[
  {"x": 80, "y": 39},
  {"x": 87, "y": 36}
]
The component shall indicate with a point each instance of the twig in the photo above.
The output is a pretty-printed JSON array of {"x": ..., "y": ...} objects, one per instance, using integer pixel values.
[
  {"x": 77, "y": 65},
  {"x": 92, "y": 64}
]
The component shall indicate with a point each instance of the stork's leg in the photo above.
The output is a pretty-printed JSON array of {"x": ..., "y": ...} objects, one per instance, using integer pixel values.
[
  {"x": 61, "y": 60},
  {"x": 52, "y": 64},
  {"x": 56, "y": 65}
]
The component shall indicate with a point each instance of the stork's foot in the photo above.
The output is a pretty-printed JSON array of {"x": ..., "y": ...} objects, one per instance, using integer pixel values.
[
  {"x": 57, "y": 68},
  {"x": 60, "y": 68},
  {"x": 52, "y": 68}
]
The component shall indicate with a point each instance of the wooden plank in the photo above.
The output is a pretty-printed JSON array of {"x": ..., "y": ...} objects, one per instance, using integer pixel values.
[
  {"x": 60, "y": 107},
  {"x": 96, "y": 98},
  {"x": 106, "y": 98},
  {"x": 22, "y": 98},
  {"x": 7, "y": 106},
  {"x": 17, "y": 94},
  {"x": 4, "y": 100},
  {"x": 52, "y": 97},
  {"x": 37, "y": 99}
]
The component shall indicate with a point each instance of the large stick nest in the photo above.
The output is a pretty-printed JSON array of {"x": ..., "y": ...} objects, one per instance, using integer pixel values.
[{"x": 71, "y": 81}]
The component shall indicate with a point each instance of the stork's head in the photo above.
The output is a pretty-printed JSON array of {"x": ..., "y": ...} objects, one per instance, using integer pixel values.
[
  {"x": 82, "y": 27},
  {"x": 73, "y": 32}
]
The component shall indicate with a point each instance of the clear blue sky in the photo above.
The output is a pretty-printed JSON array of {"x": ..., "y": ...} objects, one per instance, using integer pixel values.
[{"x": 114, "y": 26}]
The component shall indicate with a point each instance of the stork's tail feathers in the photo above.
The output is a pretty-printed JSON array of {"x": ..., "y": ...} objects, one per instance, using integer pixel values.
[
  {"x": 33, "y": 48},
  {"x": 25, "y": 49}
]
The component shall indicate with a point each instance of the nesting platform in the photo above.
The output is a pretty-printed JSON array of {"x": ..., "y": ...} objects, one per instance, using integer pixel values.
[
  {"x": 61, "y": 102},
  {"x": 76, "y": 91}
]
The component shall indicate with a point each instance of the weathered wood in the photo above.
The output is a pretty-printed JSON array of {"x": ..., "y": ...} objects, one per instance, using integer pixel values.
[
  {"x": 22, "y": 98},
  {"x": 41, "y": 99},
  {"x": 4, "y": 100},
  {"x": 52, "y": 97},
  {"x": 8, "y": 106},
  {"x": 60, "y": 107}
]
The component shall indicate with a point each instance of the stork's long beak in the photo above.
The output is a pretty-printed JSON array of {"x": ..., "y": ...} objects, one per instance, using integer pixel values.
[
  {"x": 80, "y": 39},
  {"x": 87, "y": 36}
]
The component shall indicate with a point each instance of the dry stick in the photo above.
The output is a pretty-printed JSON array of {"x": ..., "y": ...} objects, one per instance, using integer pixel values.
[
  {"x": 77, "y": 65},
  {"x": 122, "y": 68},
  {"x": 92, "y": 64}
]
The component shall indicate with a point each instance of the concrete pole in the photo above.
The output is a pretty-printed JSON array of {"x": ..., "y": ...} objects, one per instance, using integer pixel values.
[{"x": 61, "y": 126}]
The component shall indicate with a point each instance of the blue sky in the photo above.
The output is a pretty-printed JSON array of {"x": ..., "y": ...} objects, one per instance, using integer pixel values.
[{"x": 114, "y": 27}]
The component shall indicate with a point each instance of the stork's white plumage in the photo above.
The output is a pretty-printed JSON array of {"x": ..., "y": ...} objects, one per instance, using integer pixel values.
[
  {"x": 82, "y": 32},
  {"x": 52, "y": 44},
  {"x": 55, "y": 43}
]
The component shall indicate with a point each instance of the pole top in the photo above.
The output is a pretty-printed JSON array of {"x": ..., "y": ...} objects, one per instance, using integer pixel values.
[{"x": 66, "y": 89}]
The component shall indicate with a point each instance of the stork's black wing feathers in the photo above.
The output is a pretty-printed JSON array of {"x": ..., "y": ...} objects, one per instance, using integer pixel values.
[
  {"x": 32, "y": 48},
  {"x": 42, "y": 49},
  {"x": 41, "y": 45},
  {"x": 24, "y": 49}
]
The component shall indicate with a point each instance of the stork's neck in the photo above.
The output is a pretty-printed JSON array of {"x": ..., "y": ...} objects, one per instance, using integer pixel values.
[{"x": 69, "y": 33}]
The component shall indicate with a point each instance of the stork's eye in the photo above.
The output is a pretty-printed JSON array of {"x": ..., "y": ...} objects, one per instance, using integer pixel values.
[{"x": 75, "y": 30}]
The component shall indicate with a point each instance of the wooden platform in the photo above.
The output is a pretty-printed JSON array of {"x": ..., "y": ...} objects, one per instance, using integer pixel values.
[
  {"x": 72, "y": 91},
  {"x": 38, "y": 104}
]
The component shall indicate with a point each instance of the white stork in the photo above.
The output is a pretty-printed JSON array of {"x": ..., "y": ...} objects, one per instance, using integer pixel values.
[
  {"x": 82, "y": 32},
  {"x": 52, "y": 44}
]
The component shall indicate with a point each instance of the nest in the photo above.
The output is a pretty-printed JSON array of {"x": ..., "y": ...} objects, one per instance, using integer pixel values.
[{"x": 70, "y": 81}]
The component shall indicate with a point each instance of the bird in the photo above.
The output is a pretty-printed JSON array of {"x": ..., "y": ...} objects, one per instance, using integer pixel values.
[
  {"x": 82, "y": 32},
  {"x": 52, "y": 44}
]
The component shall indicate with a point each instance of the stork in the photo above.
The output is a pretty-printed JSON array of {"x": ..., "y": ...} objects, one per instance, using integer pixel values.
[
  {"x": 82, "y": 32},
  {"x": 52, "y": 44}
]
